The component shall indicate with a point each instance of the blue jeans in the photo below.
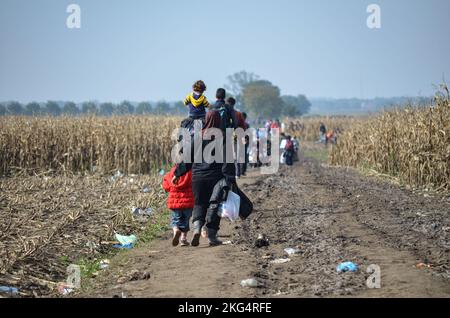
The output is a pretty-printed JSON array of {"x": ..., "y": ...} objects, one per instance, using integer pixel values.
[{"x": 181, "y": 219}]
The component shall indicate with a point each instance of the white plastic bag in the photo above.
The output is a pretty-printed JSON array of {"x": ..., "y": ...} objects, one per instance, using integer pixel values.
[
  {"x": 282, "y": 159},
  {"x": 230, "y": 208}
]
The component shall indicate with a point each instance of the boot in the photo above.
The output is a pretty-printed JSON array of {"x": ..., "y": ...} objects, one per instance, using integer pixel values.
[
  {"x": 197, "y": 233},
  {"x": 212, "y": 237}
]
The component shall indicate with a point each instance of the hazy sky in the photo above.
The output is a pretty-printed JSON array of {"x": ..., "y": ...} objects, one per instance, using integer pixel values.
[{"x": 153, "y": 50}]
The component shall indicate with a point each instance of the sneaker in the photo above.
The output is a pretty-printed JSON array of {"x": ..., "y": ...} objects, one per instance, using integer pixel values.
[
  {"x": 197, "y": 233},
  {"x": 184, "y": 242},
  {"x": 195, "y": 239},
  {"x": 215, "y": 242}
]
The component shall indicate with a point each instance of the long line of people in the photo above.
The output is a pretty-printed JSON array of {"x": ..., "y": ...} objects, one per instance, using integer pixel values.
[
  {"x": 196, "y": 189},
  {"x": 194, "y": 186}
]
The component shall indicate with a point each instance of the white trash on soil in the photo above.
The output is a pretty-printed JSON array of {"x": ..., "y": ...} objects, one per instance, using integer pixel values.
[
  {"x": 104, "y": 264},
  {"x": 251, "y": 282},
  {"x": 280, "y": 261},
  {"x": 292, "y": 251}
]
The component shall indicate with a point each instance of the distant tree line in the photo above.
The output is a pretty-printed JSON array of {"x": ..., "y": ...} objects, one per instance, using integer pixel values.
[
  {"x": 53, "y": 108},
  {"x": 262, "y": 99},
  {"x": 259, "y": 98}
]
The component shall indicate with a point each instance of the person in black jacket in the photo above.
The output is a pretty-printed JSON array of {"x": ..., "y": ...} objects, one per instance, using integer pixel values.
[
  {"x": 226, "y": 111},
  {"x": 204, "y": 177}
]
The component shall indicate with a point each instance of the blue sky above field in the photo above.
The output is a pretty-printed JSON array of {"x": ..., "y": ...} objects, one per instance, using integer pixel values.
[{"x": 153, "y": 50}]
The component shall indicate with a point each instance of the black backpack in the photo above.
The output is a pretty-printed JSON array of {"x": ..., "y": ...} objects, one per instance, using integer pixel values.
[{"x": 227, "y": 119}]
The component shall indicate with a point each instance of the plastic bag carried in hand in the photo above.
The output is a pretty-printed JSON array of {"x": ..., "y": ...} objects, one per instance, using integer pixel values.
[
  {"x": 283, "y": 158},
  {"x": 230, "y": 208}
]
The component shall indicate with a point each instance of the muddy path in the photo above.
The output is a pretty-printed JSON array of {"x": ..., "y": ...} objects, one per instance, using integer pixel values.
[{"x": 331, "y": 215}]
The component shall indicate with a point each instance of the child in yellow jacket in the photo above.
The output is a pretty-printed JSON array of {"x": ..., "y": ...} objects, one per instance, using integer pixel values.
[{"x": 196, "y": 101}]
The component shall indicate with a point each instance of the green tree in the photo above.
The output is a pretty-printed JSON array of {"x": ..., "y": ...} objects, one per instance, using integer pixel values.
[
  {"x": 2, "y": 110},
  {"x": 52, "y": 109},
  {"x": 89, "y": 108},
  {"x": 237, "y": 83},
  {"x": 70, "y": 109},
  {"x": 33, "y": 109},
  {"x": 106, "y": 109},
  {"x": 262, "y": 98},
  {"x": 124, "y": 108},
  {"x": 295, "y": 105},
  {"x": 14, "y": 108},
  {"x": 143, "y": 108}
]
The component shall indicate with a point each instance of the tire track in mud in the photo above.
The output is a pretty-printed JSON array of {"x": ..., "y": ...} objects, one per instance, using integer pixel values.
[{"x": 334, "y": 215}]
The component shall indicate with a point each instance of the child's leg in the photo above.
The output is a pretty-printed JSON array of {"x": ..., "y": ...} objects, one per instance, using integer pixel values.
[
  {"x": 184, "y": 226},
  {"x": 185, "y": 218},
  {"x": 176, "y": 219},
  {"x": 204, "y": 232}
]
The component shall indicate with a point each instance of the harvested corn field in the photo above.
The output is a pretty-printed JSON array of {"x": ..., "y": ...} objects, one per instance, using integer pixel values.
[
  {"x": 412, "y": 144},
  {"x": 130, "y": 144},
  {"x": 51, "y": 221},
  {"x": 307, "y": 129}
]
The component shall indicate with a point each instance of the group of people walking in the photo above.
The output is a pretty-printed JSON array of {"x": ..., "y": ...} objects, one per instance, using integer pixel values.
[{"x": 190, "y": 184}]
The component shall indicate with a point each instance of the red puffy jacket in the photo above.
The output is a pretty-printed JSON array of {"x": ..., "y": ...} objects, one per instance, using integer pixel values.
[{"x": 180, "y": 194}]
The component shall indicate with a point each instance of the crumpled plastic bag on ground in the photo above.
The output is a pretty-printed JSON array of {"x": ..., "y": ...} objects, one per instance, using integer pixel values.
[
  {"x": 347, "y": 267},
  {"x": 124, "y": 240}
]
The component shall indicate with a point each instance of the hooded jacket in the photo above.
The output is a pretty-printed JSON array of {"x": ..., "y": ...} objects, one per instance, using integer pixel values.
[
  {"x": 197, "y": 104},
  {"x": 180, "y": 194}
]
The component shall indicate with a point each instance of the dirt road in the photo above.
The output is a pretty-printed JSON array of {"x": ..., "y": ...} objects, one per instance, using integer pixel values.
[{"x": 331, "y": 215}]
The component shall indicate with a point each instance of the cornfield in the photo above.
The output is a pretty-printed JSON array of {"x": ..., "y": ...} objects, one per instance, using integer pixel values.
[
  {"x": 129, "y": 144},
  {"x": 307, "y": 129},
  {"x": 49, "y": 222},
  {"x": 412, "y": 144}
]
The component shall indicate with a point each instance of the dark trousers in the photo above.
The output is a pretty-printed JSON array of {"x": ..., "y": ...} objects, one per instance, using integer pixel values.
[
  {"x": 241, "y": 168},
  {"x": 289, "y": 157},
  {"x": 203, "y": 189}
]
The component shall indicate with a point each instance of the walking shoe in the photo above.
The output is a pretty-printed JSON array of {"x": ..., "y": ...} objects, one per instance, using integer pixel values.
[
  {"x": 212, "y": 237},
  {"x": 197, "y": 233},
  {"x": 176, "y": 237},
  {"x": 183, "y": 240}
]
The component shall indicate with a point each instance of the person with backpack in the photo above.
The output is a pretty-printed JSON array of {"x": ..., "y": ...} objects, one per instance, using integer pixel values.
[{"x": 226, "y": 111}]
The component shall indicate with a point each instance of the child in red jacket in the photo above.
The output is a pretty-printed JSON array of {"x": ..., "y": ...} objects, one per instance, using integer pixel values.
[{"x": 181, "y": 202}]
